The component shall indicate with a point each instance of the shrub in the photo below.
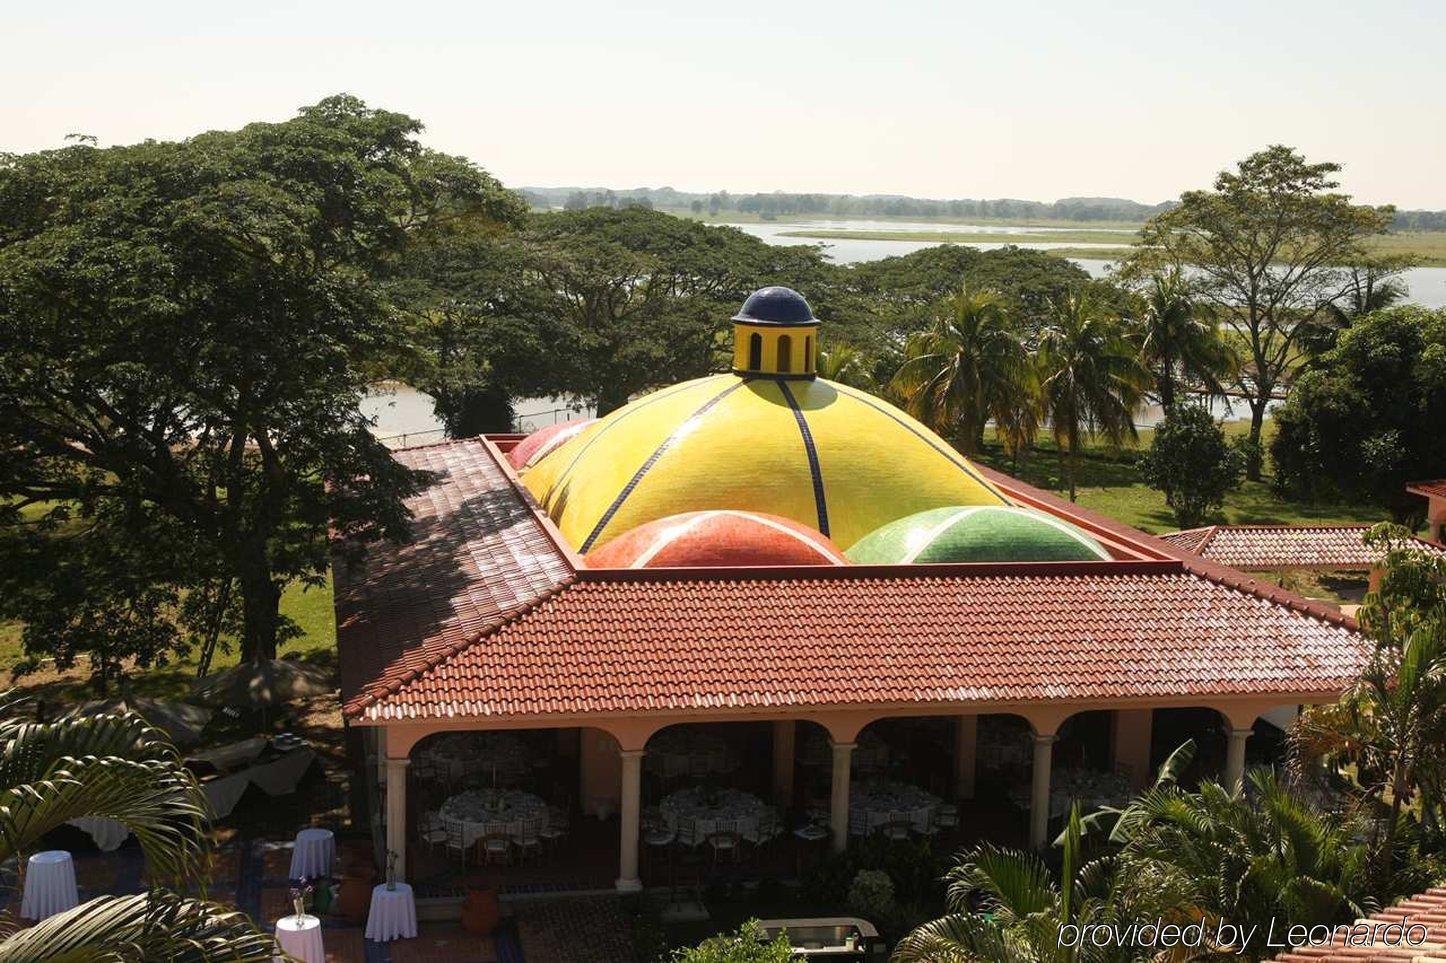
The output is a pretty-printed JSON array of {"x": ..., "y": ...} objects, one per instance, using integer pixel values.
[
  {"x": 1193, "y": 463},
  {"x": 871, "y": 895},
  {"x": 745, "y": 945}
]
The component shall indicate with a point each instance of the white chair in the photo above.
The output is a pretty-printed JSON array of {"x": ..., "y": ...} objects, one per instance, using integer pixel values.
[
  {"x": 897, "y": 827},
  {"x": 557, "y": 828},
  {"x": 526, "y": 838},
  {"x": 433, "y": 832},
  {"x": 947, "y": 816},
  {"x": 724, "y": 840},
  {"x": 496, "y": 848},
  {"x": 457, "y": 843}
]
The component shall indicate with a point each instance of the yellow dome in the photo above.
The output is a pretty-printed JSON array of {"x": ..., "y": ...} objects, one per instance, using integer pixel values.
[{"x": 829, "y": 456}]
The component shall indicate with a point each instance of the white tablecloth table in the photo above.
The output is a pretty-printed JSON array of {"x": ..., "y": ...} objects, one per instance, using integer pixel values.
[
  {"x": 695, "y": 814},
  {"x": 300, "y": 937},
  {"x": 393, "y": 914},
  {"x": 314, "y": 855},
  {"x": 877, "y": 804},
  {"x": 49, "y": 885},
  {"x": 108, "y": 834},
  {"x": 488, "y": 812}
]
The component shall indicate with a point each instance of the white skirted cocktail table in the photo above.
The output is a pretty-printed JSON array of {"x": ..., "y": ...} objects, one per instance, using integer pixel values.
[
  {"x": 314, "y": 854},
  {"x": 393, "y": 914},
  {"x": 49, "y": 885},
  {"x": 300, "y": 938}
]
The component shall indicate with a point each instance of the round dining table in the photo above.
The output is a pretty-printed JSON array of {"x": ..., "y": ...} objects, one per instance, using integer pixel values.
[
  {"x": 494, "y": 812},
  {"x": 393, "y": 914},
  {"x": 300, "y": 938},
  {"x": 696, "y": 813},
  {"x": 876, "y": 804},
  {"x": 49, "y": 885},
  {"x": 314, "y": 855}
]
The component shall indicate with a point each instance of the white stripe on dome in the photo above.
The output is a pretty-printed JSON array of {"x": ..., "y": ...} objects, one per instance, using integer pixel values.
[
  {"x": 556, "y": 441},
  {"x": 1065, "y": 527},
  {"x": 928, "y": 539},
  {"x": 672, "y": 533}
]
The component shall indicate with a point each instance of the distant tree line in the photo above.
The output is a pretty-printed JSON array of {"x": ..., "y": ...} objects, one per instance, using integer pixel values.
[{"x": 779, "y": 203}]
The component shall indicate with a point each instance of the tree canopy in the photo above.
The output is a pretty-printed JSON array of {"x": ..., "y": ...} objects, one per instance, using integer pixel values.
[
  {"x": 1270, "y": 244},
  {"x": 186, "y": 329},
  {"x": 1367, "y": 416}
]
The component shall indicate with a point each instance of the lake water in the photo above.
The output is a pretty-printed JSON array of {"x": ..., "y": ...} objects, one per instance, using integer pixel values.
[{"x": 1427, "y": 285}]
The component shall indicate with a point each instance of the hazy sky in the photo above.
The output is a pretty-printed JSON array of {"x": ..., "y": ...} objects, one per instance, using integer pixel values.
[{"x": 1009, "y": 98}]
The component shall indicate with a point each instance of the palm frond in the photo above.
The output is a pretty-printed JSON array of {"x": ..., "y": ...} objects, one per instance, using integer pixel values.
[{"x": 154, "y": 926}]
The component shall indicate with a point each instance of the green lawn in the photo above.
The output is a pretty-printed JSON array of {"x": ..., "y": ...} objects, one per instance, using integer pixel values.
[
  {"x": 310, "y": 607},
  {"x": 1110, "y": 484}
]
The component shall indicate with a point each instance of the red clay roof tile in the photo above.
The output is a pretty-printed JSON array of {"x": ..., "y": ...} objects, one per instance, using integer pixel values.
[
  {"x": 1323, "y": 547},
  {"x": 1427, "y": 909}
]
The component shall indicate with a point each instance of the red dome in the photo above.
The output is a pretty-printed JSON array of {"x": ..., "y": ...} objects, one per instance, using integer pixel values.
[
  {"x": 717, "y": 538},
  {"x": 532, "y": 448}
]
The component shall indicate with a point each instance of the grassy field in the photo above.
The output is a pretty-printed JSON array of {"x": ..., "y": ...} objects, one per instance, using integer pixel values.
[
  {"x": 1110, "y": 483},
  {"x": 310, "y": 607},
  {"x": 1427, "y": 247}
]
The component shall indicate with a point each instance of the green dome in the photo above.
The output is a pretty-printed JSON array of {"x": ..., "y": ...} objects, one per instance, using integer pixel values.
[{"x": 985, "y": 533}]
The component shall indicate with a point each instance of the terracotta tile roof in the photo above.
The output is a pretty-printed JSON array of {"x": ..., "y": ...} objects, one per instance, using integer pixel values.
[
  {"x": 479, "y": 554},
  {"x": 1428, "y": 910},
  {"x": 484, "y": 613},
  {"x": 1285, "y": 546},
  {"x": 1435, "y": 488},
  {"x": 628, "y": 644}
]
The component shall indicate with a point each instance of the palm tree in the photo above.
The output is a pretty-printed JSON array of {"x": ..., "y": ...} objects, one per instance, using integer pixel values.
[
  {"x": 1371, "y": 286},
  {"x": 1243, "y": 858},
  {"x": 847, "y": 365},
  {"x": 1005, "y": 906},
  {"x": 1391, "y": 724},
  {"x": 1091, "y": 377},
  {"x": 1179, "y": 341},
  {"x": 969, "y": 367},
  {"x": 115, "y": 766}
]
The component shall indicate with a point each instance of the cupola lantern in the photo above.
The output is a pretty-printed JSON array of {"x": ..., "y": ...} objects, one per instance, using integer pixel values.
[{"x": 775, "y": 334}]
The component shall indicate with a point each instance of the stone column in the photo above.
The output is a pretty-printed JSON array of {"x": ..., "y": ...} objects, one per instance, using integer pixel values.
[
  {"x": 1130, "y": 735},
  {"x": 1039, "y": 793},
  {"x": 1235, "y": 759},
  {"x": 966, "y": 744},
  {"x": 843, "y": 757},
  {"x": 784, "y": 731},
  {"x": 630, "y": 813},
  {"x": 397, "y": 810}
]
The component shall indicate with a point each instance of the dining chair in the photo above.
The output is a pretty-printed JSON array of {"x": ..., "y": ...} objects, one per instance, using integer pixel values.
[
  {"x": 496, "y": 848},
  {"x": 897, "y": 827},
  {"x": 555, "y": 830},
  {"x": 433, "y": 832},
  {"x": 457, "y": 843},
  {"x": 527, "y": 840},
  {"x": 725, "y": 841}
]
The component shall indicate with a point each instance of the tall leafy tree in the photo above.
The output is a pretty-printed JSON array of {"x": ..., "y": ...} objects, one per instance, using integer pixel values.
[
  {"x": 645, "y": 297},
  {"x": 117, "y": 767},
  {"x": 186, "y": 329},
  {"x": 969, "y": 367},
  {"x": 1269, "y": 244},
  {"x": 1179, "y": 339},
  {"x": 1092, "y": 380},
  {"x": 1367, "y": 416}
]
